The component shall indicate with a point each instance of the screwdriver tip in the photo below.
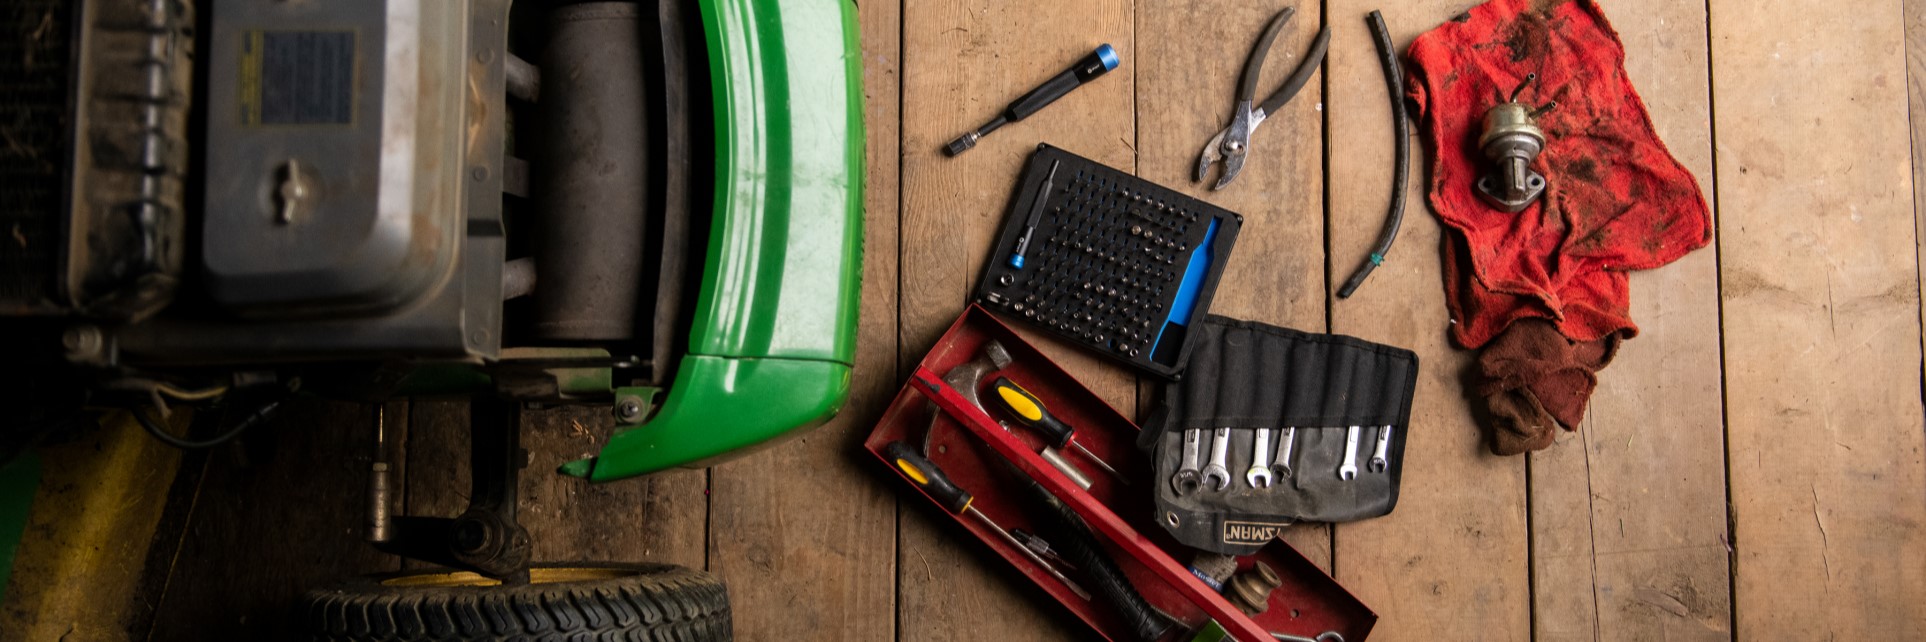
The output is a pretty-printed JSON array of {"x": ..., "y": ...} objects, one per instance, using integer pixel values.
[{"x": 962, "y": 144}]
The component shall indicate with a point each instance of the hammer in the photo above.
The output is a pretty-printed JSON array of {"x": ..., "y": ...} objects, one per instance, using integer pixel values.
[{"x": 967, "y": 380}]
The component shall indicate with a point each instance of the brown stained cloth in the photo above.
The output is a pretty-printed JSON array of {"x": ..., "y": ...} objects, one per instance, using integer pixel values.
[{"x": 1533, "y": 378}]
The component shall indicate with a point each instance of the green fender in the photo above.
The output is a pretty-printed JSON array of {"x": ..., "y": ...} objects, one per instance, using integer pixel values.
[{"x": 774, "y": 333}]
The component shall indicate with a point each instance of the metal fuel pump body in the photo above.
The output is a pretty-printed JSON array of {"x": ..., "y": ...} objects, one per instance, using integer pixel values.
[{"x": 1511, "y": 141}]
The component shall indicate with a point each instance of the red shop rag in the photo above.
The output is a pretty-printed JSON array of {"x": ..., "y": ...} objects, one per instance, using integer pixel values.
[{"x": 1616, "y": 201}]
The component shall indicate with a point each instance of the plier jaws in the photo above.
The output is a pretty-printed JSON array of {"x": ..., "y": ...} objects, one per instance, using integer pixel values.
[{"x": 1232, "y": 144}]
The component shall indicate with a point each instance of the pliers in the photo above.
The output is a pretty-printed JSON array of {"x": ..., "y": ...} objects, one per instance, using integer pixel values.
[{"x": 1233, "y": 143}]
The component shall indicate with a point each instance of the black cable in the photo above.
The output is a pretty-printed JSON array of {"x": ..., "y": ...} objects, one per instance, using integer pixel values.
[
  {"x": 1395, "y": 80},
  {"x": 257, "y": 416}
]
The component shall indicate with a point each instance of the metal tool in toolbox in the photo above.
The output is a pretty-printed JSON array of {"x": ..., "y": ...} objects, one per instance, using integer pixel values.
[
  {"x": 1087, "y": 69},
  {"x": 1232, "y": 145},
  {"x": 1109, "y": 261},
  {"x": 1020, "y": 490},
  {"x": 933, "y": 482}
]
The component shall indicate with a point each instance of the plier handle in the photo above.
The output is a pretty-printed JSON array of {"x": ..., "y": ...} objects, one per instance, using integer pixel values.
[{"x": 1232, "y": 144}]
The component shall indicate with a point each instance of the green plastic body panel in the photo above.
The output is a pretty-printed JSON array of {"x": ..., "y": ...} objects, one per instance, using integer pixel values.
[{"x": 774, "y": 332}]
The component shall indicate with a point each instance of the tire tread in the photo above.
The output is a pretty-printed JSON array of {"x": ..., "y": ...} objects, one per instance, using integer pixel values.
[{"x": 660, "y": 603}]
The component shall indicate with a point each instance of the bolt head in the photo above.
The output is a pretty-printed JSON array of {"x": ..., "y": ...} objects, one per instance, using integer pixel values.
[
  {"x": 628, "y": 409},
  {"x": 83, "y": 342}
]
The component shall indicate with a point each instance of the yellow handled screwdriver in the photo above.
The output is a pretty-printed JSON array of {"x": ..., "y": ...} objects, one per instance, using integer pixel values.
[
  {"x": 1030, "y": 412},
  {"x": 953, "y": 498}
]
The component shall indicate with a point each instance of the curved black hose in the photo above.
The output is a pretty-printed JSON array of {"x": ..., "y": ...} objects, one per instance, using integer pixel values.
[
  {"x": 1073, "y": 538},
  {"x": 1395, "y": 80},
  {"x": 257, "y": 416}
]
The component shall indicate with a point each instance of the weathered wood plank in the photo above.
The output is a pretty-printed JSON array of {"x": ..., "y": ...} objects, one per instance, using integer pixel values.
[
  {"x": 804, "y": 533},
  {"x": 84, "y": 567},
  {"x": 1451, "y": 563},
  {"x": 1916, "y": 100},
  {"x": 1191, "y": 54},
  {"x": 279, "y": 512},
  {"x": 962, "y": 62},
  {"x": 1628, "y": 516},
  {"x": 659, "y": 518},
  {"x": 1821, "y": 319}
]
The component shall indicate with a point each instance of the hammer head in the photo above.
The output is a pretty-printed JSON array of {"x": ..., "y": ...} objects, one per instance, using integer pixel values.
[{"x": 968, "y": 377}]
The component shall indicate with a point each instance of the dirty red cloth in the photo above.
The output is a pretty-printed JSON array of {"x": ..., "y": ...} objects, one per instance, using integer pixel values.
[
  {"x": 1616, "y": 199},
  {"x": 1534, "y": 378}
]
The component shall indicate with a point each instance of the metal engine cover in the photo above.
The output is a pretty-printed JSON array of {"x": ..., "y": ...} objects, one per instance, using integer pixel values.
[{"x": 334, "y": 159}]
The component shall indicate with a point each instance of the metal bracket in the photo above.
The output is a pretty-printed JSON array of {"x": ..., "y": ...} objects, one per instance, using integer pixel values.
[{"x": 486, "y": 538}]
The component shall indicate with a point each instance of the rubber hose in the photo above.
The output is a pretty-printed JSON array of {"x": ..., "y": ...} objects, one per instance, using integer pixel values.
[
  {"x": 1067, "y": 532},
  {"x": 1394, "y": 80}
]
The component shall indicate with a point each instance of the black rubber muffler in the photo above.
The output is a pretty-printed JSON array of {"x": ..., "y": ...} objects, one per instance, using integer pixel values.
[{"x": 591, "y": 174}]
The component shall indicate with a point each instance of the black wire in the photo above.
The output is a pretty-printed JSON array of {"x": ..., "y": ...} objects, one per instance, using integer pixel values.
[
  {"x": 255, "y": 417},
  {"x": 1389, "y": 59}
]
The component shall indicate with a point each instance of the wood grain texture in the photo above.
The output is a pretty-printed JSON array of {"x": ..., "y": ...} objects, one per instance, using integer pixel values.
[
  {"x": 279, "y": 512},
  {"x": 1916, "y": 102},
  {"x": 1821, "y": 305},
  {"x": 659, "y": 518},
  {"x": 962, "y": 63},
  {"x": 1628, "y": 515},
  {"x": 83, "y": 564},
  {"x": 1451, "y": 562},
  {"x": 1190, "y": 58},
  {"x": 804, "y": 532}
]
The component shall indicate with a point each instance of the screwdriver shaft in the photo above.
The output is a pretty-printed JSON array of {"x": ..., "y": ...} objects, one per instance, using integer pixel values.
[
  {"x": 1101, "y": 463},
  {"x": 1034, "y": 558}
]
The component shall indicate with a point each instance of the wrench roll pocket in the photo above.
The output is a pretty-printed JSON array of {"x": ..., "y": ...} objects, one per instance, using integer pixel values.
[{"x": 1324, "y": 415}]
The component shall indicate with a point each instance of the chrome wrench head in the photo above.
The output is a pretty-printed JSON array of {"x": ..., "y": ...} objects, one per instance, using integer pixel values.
[
  {"x": 1380, "y": 457},
  {"x": 1187, "y": 478},
  {"x": 1286, "y": 440},
  {"x": 1259, "y": 475},
  {"x": 1217, "y": 474},
  {"x": 1349, "y": 470}
]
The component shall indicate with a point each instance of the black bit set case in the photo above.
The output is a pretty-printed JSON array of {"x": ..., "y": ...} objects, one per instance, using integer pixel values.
[{"x": 1114, "y": 263}]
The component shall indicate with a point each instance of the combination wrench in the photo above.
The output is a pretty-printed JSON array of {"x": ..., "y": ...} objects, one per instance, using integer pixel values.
[
  {"x": 1185, "y": 481},
  {"x": 1380, "y": 457},
  {"x": 1259, "y": 475},
  {"x": 1217, "y": 474},
  {"x": 1349, "y": 470},
  {"x": 1286, "y": 441}
]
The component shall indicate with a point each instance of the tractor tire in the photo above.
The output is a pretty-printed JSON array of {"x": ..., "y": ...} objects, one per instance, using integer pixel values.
[{"x": 571, "y": 602}]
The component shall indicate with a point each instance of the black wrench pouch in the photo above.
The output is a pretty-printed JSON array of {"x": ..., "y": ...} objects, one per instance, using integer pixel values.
[{"x": 1247, "y": 376}]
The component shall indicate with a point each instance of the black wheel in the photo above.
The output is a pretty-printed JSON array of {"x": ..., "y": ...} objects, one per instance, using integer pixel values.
[{"x": 572, "y": 602}]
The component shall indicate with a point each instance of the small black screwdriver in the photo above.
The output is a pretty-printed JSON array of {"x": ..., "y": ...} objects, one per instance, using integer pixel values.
[
  {"x": 938, "y": 486},
  {"x": 1089, "y": 68},
  {"x": 1029, "y": 411}
]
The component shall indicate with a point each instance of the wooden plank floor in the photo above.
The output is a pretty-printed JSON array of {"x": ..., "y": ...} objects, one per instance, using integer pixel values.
[{"x": 1752, "y": 466}]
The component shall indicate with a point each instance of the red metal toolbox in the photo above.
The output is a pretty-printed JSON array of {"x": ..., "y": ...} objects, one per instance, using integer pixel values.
[{"x": 970, "y": 445}]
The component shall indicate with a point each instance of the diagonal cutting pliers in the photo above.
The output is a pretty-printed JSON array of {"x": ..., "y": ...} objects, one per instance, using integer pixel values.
[{"x": 1233, "y": 143}]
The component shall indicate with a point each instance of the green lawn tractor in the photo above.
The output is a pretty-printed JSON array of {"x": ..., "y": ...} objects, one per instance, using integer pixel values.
[{"x": 655, "y": 207}]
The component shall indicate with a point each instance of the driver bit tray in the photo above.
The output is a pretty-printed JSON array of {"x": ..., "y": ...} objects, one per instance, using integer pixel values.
[{"x": 1112, "y": 262}]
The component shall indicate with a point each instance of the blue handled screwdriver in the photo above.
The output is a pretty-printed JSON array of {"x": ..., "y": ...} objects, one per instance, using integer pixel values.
[{"x": 1089, "y": 68}]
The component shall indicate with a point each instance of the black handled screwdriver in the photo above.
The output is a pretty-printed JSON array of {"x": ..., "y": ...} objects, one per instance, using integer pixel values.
[
  {"x": 1036, "y": 215},
  {"x": 1089, "y": 68},
  {"x": 938, "y": 486},
  {"x": 1029, "y": 411}
]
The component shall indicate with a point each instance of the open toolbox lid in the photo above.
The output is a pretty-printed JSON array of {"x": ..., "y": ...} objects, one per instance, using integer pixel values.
[{"x": 969, "y": 444}]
